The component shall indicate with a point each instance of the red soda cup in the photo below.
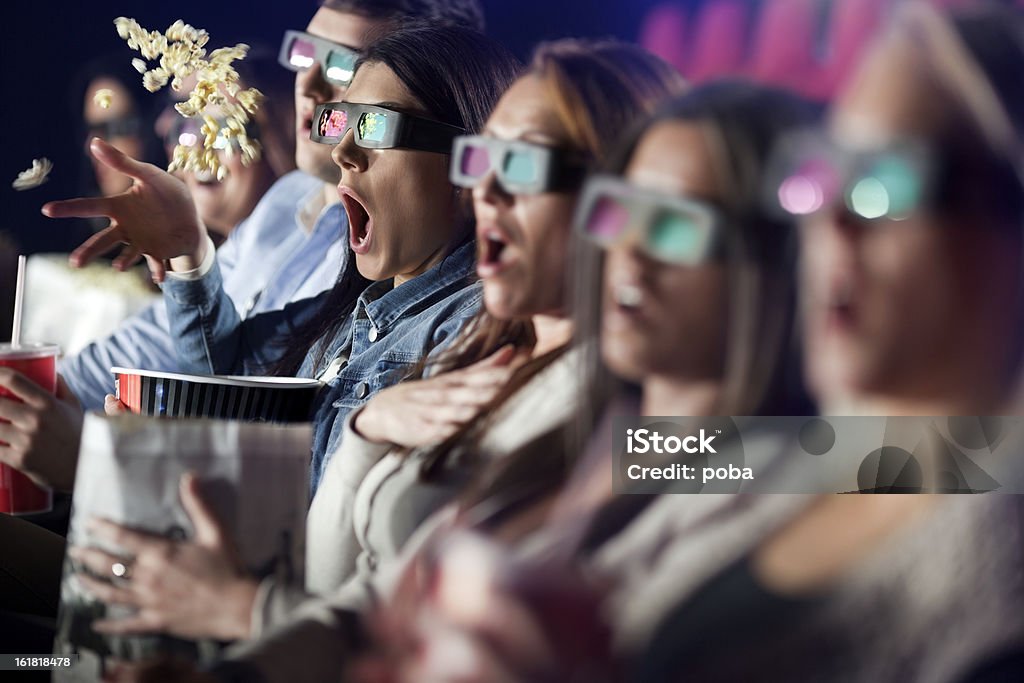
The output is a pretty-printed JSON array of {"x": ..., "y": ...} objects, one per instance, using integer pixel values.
[{"x": 19, "y": 495}]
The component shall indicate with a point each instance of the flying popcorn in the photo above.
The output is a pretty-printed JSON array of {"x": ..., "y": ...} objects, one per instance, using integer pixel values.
[
  {"x": 35, "y": 176},
  {"x": 180, "y": 52},
  {"x": 103, "y": 97}
]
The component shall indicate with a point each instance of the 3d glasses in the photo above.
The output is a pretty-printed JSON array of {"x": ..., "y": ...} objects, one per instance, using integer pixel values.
[
  {"x": 810, "y": 172},
  {"x": 673, "y": 229},
  {"x": 300, "y": 51},
  {"x": 377, "y": 127},
  {"x": 121, "y": 127},
  {"x": 521, "y": 167}
]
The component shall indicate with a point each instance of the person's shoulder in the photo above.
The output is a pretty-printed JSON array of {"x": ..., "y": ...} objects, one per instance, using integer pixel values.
[
  {"x": 466, "y": 301},
  {"x": 274, "y": 214},
  {"x": 472, "y": 294},
  {"x": 294, "y": 184}
]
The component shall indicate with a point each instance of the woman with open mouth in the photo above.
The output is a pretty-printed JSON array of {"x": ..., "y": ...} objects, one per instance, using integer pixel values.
[
  {"x": 510, "y": 376},
  {"x": 697, "y": 310},
  {"x": 911, "y": 293},
  {"x": 912, "y": 301},
  {"x": 407, "y": 286}
]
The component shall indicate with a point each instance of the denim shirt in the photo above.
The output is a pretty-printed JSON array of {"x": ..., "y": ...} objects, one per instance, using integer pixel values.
[
  {"x": 267, "y": 261},
  {"x": 389, "y": 330}
]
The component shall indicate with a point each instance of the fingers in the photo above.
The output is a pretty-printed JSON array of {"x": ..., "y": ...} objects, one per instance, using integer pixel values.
[
  {"x": 14, "y": 411},
  {"x": 502, "y": 356},
  {"x": 452, "y": 414},
  {"x": 98, "y": 244},
  {"x": 16, "y": 440},
  {"x": 429, "y": 397},
  {"x": 133, "y": 542},
  {"x": 108, "y": 155},
  {"x": 82, "y": 207},
  {"x": 128, "y": 257},
  {"x": 143, "y": 622},
  {"x": 112, "y": 406},
  {"x": 25, "y": 389},
  {"x": 156, "y": 269},
  {"x": 108, "y": 593},
  {"x": 208, "y": 528},
  {"x": 481, "y": 377},
  {"x": 95, "y": 560},
  {"x": 475, "y": 390},
  {"x": 431, "y": 432}
]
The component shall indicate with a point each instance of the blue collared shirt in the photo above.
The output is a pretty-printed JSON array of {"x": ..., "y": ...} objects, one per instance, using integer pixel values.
[
  {"x": 268, "y": 261},
  {"x": 388, "y": 331}
]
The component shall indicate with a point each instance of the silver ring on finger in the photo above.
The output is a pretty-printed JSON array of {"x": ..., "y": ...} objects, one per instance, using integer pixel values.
[{"x": 121, "y": 570}]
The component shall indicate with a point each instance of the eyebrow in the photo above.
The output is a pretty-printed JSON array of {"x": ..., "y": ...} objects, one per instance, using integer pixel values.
[
  {"x": 332, "y": 42},
  {"x": 529, "y": 135},
  {"x": 396, "y": 106}
]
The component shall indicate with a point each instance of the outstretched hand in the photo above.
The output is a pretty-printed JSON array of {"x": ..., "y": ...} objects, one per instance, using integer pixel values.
[{"x": 155, "y": 217}]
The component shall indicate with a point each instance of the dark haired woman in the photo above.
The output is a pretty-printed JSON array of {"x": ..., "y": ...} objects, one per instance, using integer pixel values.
[
  {"x": 512, "y": 375},
  {"x": 698, "y": 309},
  {"x": 406, "y": 289},
  {"x": 729, "y": 129},
  {"x": 375, "y": 494},
  {"x": 912, "y": 306}
]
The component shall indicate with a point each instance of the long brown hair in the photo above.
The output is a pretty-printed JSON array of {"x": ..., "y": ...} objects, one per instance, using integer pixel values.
[
  {"x": 598, "y": 89},
  {"x": 743, "y": 121}
]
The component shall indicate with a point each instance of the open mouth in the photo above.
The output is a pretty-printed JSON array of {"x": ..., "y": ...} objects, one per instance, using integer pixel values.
[
  {"x": 493, "y": 254},
  {"x": 206, "y": 179},
  {"x": 842, "y": 308},
  {"x": 626, "y": 308},
  {"x": 628, "y": 296},
  {"x": 360, "y": 225}
]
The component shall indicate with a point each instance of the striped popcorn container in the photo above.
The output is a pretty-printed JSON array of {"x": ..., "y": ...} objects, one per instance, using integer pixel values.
[{"x": 249, "y": 399}]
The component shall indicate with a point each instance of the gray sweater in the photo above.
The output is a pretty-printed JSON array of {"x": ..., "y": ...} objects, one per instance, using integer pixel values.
[
  {"x": 372, "y": 499},
  {"x": 931, "y": 603}
]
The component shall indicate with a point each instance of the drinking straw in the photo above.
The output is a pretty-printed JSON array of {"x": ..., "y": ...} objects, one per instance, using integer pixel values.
[{"x": 19, "y": 298}]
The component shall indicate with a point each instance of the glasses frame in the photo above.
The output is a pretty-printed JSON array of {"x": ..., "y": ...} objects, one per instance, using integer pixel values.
[
  {"x": 408, "y": 132},
  {"x": 123, "y": 126},
  {"x": 643, "y": 205},
  {"x": 322, "y": 48},
  {"x": 560, "y": 170}
]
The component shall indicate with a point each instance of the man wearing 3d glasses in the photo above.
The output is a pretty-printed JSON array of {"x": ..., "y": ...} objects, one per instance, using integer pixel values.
[{"x": 293, "y": 244}]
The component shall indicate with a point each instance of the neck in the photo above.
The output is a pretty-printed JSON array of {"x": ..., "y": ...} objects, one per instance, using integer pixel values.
[
  {"x": 431, "y": 261},
  {"x": 552, "y": 332},
  {"x": 896, "y": 406},
  {"x": 936, "y": 395},
  {"x": 671, "y": 396}
]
